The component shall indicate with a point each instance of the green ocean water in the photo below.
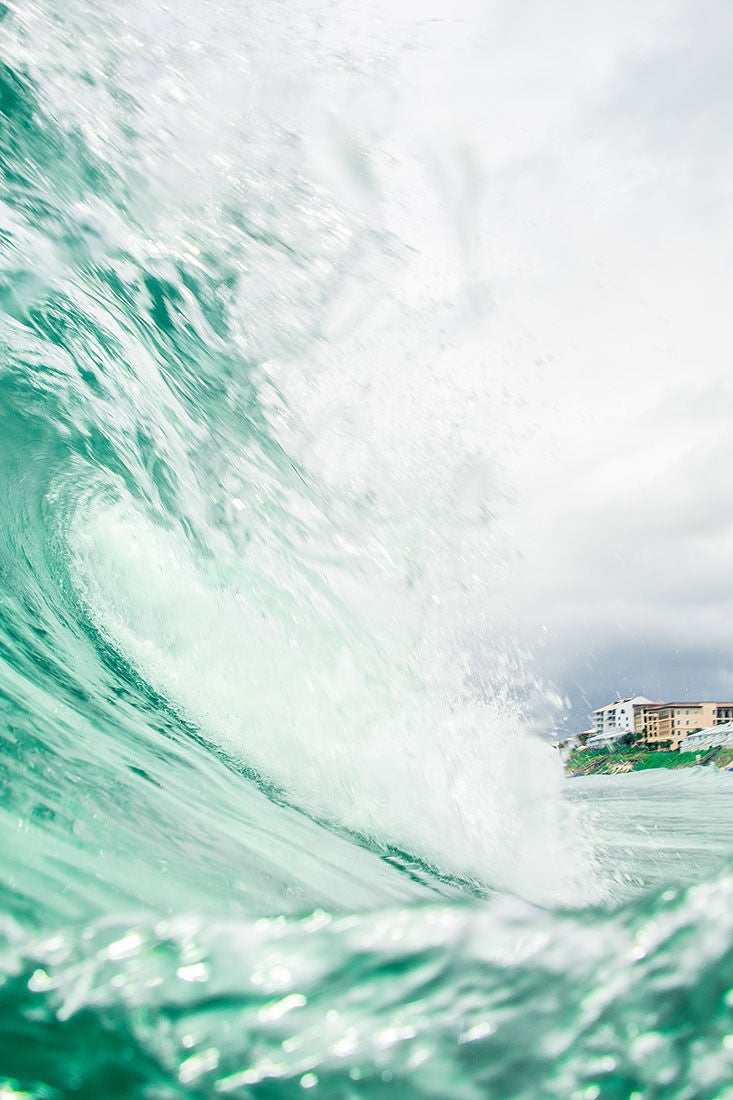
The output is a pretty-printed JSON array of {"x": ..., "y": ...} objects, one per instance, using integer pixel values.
[{"x": 261, "y": 833}]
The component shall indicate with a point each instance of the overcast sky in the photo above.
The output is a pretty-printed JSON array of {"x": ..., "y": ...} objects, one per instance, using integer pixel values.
[
  {"x": 567, "y": 166},
  {"x": 579, "y": 161},
  {"x": 613, "y": 232}
]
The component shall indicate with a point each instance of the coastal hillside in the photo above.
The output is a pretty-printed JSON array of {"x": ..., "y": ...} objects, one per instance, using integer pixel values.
[{"x": 606, "y": 761}]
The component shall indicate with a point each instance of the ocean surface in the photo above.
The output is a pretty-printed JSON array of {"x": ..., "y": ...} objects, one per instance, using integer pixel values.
[{"x": 268, "y": 828}]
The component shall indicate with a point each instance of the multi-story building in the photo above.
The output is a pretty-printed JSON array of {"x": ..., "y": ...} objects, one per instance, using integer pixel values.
[
  {"x": 666, "y": 724},
  {"x": 616, "y": 719}
]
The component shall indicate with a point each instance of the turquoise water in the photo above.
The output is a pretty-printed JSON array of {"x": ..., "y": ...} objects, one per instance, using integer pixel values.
[{"x": 262, "y": 833}]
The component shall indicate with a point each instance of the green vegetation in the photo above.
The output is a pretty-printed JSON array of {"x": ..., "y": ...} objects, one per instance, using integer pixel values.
[{"x": 609, "y": 761}]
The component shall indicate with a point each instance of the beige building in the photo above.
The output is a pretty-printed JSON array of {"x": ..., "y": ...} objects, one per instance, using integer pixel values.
[{"x": 664, "y": 725}]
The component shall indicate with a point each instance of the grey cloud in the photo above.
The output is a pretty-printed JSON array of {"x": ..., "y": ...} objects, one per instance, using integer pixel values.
[{"x": 628, "y": 584}]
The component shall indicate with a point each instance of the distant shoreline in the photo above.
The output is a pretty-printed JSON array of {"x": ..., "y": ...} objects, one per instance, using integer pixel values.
[{"x": 608, "y": 761}]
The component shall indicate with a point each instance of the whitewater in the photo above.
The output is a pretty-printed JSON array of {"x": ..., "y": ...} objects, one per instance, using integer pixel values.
[{"x": 275, "y": 818}]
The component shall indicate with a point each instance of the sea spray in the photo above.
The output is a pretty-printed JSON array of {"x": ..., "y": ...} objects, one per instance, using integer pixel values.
[{"x": 290, "y": 537}]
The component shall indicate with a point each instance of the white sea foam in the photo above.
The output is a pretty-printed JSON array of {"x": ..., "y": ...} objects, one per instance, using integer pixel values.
[
  {"x": 353, "y": 729},
  {"x": 312, "y": 589}
]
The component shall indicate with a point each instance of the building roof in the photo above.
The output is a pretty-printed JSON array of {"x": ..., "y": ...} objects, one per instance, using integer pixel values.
[
  {"x": 661, "y": 706},
  {"x": 705, "y": 702},
  {"x": 620, "y": 702},
  {"x": 607, "y": 736}
]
